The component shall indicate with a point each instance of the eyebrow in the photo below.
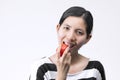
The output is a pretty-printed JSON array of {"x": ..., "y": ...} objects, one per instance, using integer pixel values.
[
  {"x": 67, "y": 25},
  {"x": 80, "y": 30}
]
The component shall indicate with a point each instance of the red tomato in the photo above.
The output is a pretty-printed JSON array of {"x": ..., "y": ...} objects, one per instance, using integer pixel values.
[{"x": 63, "y": 47}]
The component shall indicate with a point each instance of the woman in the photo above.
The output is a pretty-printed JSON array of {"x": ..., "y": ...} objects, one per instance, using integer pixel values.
[{"x": 74, "y": 30}]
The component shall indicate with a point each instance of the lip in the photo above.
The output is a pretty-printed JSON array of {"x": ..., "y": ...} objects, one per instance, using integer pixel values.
[{"x": 71, "y": 45}]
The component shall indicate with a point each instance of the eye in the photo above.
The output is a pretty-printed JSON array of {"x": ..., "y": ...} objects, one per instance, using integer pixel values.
[
  {"x": 79, "y": 33},
  {"x": 66, "y": 28}
]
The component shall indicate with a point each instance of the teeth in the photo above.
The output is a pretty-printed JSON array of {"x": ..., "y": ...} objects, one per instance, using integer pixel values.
[{"x": 72, "y": 44}]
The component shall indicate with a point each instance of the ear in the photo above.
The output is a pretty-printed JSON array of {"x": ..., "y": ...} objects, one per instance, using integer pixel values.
[
  {"x": 57, "y": 27},
  {"x": 88, "y": 38}
]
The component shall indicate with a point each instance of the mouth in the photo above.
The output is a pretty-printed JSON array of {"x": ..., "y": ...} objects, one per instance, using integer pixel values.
[{"x": 71, "y": 45}]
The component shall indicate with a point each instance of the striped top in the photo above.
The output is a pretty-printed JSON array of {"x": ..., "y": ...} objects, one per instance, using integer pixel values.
[{"x": 46, "y": 70}]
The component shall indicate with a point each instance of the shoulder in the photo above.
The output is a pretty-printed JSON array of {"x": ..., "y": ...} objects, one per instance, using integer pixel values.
[
  {"x": 35, "y": 66},
  {"x": 97, "y": 65},
  {"x": 40, "y": 68},
  {"x": 40, "y": 62}
]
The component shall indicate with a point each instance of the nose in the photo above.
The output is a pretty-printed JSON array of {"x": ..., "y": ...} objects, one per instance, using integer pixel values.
[{"x": 71, "y": 36}]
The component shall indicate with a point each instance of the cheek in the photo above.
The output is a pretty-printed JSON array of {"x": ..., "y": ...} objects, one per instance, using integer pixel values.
[
  {"x": 81, "y": 42},
  {"x": 60, "y": 36}
]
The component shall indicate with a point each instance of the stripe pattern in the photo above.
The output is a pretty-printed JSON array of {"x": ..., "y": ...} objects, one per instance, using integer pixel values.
[{"x": 46, "y": 70}]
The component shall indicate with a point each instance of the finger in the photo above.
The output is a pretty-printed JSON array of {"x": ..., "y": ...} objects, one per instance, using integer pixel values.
[
  {"x": 65, "y": 54},
  {"x": 66, "y": 51},
  {"x": 69, "y": 57},
  {"x": 58, "y": 51}
]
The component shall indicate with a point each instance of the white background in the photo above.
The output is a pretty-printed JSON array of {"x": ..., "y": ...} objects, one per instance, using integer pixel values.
[{"x": 28, "y": 32}]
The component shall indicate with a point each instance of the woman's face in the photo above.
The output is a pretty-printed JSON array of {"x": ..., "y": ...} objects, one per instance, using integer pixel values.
[{"x": 73, "y": 33}]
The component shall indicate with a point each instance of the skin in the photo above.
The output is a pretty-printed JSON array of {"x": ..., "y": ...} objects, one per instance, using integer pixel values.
[{"x": 73, "y": 33}]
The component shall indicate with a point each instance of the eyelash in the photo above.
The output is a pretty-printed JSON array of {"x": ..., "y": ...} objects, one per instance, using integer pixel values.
[
  {"x": 79, "y": 33},
  {"x": 66, "y": 28}
]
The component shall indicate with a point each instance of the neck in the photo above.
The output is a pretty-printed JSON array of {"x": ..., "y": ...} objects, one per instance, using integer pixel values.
[{"x": 75, "y": 58}]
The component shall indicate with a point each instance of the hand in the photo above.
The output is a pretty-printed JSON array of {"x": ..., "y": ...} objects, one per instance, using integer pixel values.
[{"x": 63, "y": 63}]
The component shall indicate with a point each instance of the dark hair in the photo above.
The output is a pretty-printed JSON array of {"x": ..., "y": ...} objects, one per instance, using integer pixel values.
[{"x": 79, "y": 12}]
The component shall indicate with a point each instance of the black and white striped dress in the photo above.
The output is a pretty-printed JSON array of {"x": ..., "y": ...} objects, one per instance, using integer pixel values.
[{"x": 46, "y": 70}]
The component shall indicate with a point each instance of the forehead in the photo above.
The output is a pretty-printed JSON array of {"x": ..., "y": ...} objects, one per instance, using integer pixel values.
[{"x": 75, "y": 22}]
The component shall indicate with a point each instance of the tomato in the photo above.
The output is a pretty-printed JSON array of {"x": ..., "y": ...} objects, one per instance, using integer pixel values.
[{"x": 63, "y": 47}]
